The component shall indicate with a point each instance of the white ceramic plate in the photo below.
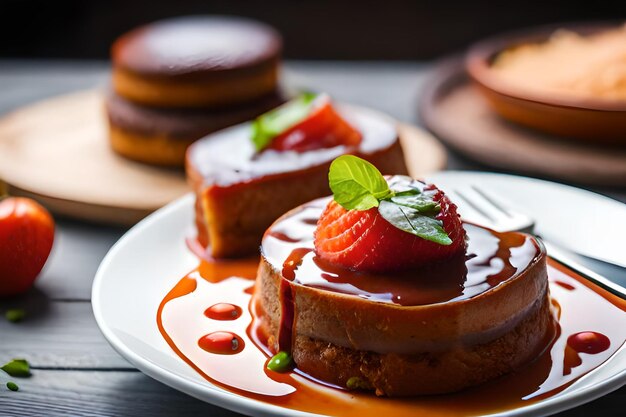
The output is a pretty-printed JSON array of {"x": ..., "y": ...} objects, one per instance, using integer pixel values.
[{"x": 152, "y": 257}]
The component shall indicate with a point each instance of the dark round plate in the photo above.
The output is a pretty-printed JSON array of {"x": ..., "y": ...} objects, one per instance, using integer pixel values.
[{"x": 453, "y": 109}]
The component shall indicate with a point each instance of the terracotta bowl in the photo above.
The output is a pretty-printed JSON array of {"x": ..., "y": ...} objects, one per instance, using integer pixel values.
[{"x": 593, "y": 120}]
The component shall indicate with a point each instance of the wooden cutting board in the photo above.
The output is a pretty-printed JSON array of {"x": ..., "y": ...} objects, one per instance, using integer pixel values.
[
  {"x": 457, "y": 114},
  {"x": 57, "y": 152}
]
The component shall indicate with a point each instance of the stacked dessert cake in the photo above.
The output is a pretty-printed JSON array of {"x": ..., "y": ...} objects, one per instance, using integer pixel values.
[{"x": 177, "y": 80}]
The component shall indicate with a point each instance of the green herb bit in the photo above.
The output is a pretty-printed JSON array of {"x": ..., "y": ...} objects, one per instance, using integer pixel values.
[
  {"x": 356, "y": 184},
  {"x": 15, "y": 315},
  {"x": 17, "y": 367},
  {"x": 271, "y": 124},
  {"x": 12, "y": 386},
  {"x": 281, "y": 362},
  {"x": 417, "y": 201},
  {"x": 414, "y": 222},
  {"x": 357, "y": 383}
]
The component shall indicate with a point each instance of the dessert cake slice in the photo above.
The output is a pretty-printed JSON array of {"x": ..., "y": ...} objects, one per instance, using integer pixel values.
[
  {"x": 246, "y": 176},
  {"x": 383, "y": 288}
]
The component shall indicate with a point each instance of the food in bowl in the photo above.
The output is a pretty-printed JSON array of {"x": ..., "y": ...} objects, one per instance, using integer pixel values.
[
  {"x": 568, "y": 83},
  {"x": 569, "y": 64}
]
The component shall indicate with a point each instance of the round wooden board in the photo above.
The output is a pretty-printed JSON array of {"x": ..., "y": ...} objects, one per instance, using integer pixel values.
[
  {"x": 57, "y": 152},
  {"x": 458, "y": 115}
]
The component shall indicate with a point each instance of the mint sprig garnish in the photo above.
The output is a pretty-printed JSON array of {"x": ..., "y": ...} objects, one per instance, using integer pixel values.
[
  {"x": 271, "y": 124},
  {"x": 413, "y": 221},
  {"x": 415, "y": 199},
  {"x": 358, "y": 185}
]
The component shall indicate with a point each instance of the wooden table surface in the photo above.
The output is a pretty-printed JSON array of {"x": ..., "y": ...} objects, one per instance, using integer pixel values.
[{"x": 75, "y": 371}]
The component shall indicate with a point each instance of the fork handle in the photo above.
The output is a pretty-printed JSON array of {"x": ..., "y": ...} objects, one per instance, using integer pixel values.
[{"x": 560, "y": 255}]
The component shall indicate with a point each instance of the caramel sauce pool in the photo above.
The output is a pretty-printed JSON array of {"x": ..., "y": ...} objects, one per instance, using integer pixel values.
[
  {"x": 491, "y": 258},
  {"x": 592, "y": 328}
]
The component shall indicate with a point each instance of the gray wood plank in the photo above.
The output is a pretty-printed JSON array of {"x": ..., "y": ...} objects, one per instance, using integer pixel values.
[
  {"x": 92, "y": 393},
  {"x": 392, "y": 87},
  {"x": 56, "y": 334},
  {"x": 79, "y": 393},
  {"x": 24, "y": 82},
  {"x": 78, "y": 249}
]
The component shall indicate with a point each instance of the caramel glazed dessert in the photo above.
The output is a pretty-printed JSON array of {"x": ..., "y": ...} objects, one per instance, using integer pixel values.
[
  {"x": 383, "y": 288},
  {"x": 246, "y": 176},
  {"x": 177, "y": 80}
]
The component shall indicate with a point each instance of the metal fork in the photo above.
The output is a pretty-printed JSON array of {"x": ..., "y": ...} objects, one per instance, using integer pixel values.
[
  {"x": 478, "y": 206},
  {"x": 491, "y": 213}
]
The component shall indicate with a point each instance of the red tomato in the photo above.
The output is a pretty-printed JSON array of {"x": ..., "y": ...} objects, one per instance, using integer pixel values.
[{"x": 26, "y": 236}]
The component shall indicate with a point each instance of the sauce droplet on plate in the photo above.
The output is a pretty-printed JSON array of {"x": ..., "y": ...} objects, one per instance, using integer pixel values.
[
  {"x": 588, "y": 342},
  {"x": 565, "y": 285},
  {"x": 223, "y": 311},
  {"x": 221, "y": 343}
]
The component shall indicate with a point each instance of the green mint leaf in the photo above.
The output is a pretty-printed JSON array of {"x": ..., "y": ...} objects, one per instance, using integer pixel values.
[
  {"x": 271, "y": 124},
  {"x": 412, "y": 221},
  {"x": 356, "y": 184},
  {"x": 15, "y": 315},
  {"x": 420, "y": 202},
  {"x": 12, "y": 386},
  {"x": 17, "y": 367},
  {"x": 281, "y": 362},
  {"x": 412, "y": 191}
]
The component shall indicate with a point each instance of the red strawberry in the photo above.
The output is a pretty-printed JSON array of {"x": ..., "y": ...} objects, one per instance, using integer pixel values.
[
  {"x": 324, "y": 128},
  {"x": 365, "y": 241}
]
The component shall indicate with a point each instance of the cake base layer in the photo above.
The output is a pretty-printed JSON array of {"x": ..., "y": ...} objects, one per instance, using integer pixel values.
[
  {"x": 432, "y": 330},
  {"x": 429, "y": 372},
  {"x": 240, "y": 191},
  {"x": 153, "y": 149},
  {"x": 235, "y": 218},
  {"x": 211, "y": 93},
  {"x": 392, "y": 374},
  {"x": 159, "y": 136}
]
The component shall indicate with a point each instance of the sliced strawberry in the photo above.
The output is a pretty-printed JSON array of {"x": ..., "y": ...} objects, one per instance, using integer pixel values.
[
  {"x": 365, "y": 241},
  {"x": 324, "y": 128}
]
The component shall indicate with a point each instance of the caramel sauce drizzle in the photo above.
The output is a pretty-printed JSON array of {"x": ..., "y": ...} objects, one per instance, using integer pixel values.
[{"x": 181, "y": 320}]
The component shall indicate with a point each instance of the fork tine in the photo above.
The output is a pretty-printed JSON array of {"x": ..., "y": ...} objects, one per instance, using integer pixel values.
[
  {"x": 466, "y": 211},
  {"x": 493, "y": 202},
  {"x": 490, "y": 208},
  {"x": 470, "y": 203},
  {"x": 485, "y": 205}
]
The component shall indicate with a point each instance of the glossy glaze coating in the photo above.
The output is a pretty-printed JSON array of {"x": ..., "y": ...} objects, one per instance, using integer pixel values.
[
  {"x": 433, "y": 309},
  {"x": 240, "y": 192},
  {"x": 196, "y": 46},
  {"x": 228, "y": 157},
  {"x": 491, "y": 259}
]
